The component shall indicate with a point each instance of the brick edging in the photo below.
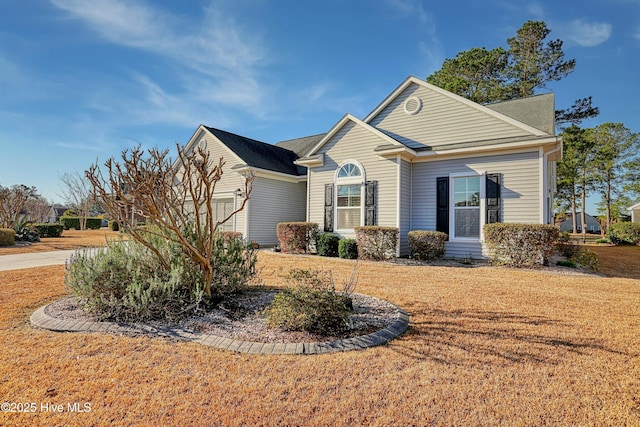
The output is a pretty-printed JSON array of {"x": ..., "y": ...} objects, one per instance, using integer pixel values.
[{"x": 40, "y": 319}]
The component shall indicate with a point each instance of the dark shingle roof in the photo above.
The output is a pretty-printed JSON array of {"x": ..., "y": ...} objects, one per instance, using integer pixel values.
[
  {"x": 301, "y": 146},
  {"x": 260, "y": 154}
]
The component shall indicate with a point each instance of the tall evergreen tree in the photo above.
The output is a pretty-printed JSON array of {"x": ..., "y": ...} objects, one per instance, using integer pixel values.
[
  {"x": 528, "y": 65},
  {"x": 613, "y": 145}
]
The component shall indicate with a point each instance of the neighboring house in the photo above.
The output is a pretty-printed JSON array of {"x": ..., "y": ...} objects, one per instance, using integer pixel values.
[
  {"x": 593, "y": 225},
  {"x": 635, "y": 212},
  {"x": 424, "y": 159},
  {"x": 55, "y": 212}
]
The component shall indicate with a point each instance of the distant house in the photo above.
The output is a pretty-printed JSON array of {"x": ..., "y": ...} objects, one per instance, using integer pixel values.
[
  {"x": 635, "y": 212},
  {"x": 593, "y": 225},
  {"x": 423, "y": 159},
  {"x": 55, "y": 212}
]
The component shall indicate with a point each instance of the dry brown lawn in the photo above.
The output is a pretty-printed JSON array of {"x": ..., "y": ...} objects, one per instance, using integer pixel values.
[
  {"x": 486, "y": 346},
  {"x": 70, "y": 239}
]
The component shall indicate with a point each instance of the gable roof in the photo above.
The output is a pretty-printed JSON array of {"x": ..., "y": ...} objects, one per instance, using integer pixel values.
[
  {"x": 492, "y": 112},
  {"x": 259, "y": 154},
  {"x": 301, "y": 146},
  {"x": 537, "y": 111},
  {"x": 346, "y": 119}
]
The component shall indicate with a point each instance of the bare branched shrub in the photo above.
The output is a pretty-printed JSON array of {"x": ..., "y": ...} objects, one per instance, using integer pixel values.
[{"x": 174, "y": 198}]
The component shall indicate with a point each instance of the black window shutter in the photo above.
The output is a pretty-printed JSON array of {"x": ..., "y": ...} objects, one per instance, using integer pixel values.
[
  {"x": 493, "y": 197},
  {"x": 370, "y": 197},
  {"x": 442, "y": 205},
  {"x": 328, "y": 207}
]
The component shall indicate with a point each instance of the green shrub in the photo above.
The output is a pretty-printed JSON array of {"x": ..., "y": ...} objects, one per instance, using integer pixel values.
[
  {"x": 312, "y": 305},
  {"x": 7, "y": 237},
  {"x": 48, "y": 229},
  {"x": 587, "y": 259},
  {"x": 114, "y": 225},
  {"x": 521, "y": 245},
  {"x": 426, "y": 245},
  {"x": 70, "y": 222},
  {"x": 566, "y": 263},
  {"x": 296, "y": 237},
  {"x": 624, "y": 233},
  {"x": 348, "y": 248},
  {"x": 327, "y": 244},
  {"x": 93, "y": 223},
  {"x": 603, "y": 240},
  {"x": 377, "y": 243},
  {"x": 127, "y": 282}
]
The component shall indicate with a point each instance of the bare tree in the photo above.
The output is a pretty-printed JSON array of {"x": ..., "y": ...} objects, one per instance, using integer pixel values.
[
  {"x": 175, "y": 197},
  {"x": 12, "y": 203},
  {"x": 78, "y": 195},
  {"x": 37, "y": 208}
]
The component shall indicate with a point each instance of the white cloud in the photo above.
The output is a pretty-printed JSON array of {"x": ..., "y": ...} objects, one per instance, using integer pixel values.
[
  {"x": 216, "y": 49},
  {"x": 587, "y": 34},
  {"x": 411, "y": 8}
]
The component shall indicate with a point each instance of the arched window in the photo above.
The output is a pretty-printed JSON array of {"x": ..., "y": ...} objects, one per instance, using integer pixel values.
[{"x": 349, "y": 183}]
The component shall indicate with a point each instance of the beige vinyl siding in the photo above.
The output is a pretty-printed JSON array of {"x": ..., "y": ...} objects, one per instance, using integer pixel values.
[
  {"x": 520, "y": 192},
  {"x": 230, "y": 180},
  {"x": 273, "y": 201},
  {"x": 441, "y": 120},
  {"x": 355, "y": 143},
  {"x": 405, "y": 206}
]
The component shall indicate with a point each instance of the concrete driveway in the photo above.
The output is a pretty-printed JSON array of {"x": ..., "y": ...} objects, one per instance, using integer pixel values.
[{"x": 36, "y": 259}]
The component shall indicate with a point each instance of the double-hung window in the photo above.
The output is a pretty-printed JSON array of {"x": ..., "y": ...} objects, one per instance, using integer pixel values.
[
  {"x": 349, "y": 182},
  {"x": 222, "y": 209},
  {"x": 466, "y": 206}
]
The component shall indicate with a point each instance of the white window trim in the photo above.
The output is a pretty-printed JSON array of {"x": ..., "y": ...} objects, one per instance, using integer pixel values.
[
  {"x": 483, "y": 208},
  {"x": 356, "y": 180}
]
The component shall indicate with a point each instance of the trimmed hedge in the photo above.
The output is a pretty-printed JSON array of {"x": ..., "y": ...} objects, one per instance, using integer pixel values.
[
  {"x": 377, "y": 243},
  {"x": 624, "y": 233},
  {"x": 521, "y": 245},
  {"x": 327, "y": 244},
  {"x": 426, "y": 245},
  {"x": 296, "y": 237},
  {"x": 348, "y": 249},
  {"x": 70, "y": 222},
  {"x": 7, "y": 237},
  {"x": 48, "y": 229}
]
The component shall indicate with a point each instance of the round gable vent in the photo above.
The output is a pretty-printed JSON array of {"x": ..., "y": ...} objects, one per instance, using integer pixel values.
[
  {"x": 203, "y": 144},
  {"x": 412, "y": 105}
]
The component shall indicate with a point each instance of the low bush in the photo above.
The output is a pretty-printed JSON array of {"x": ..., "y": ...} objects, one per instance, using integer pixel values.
[
  {"x": 426, "y": 245},
  {"x": 327, "y": 244},
  {"x": 93, "y": 223},
  {"x": 70, "y": 222},
  {"x": 127, "y": 282},
  {"x": 48, "y": 229},
  {"x": 312, "y": 304},
  {"x": 603, "y": 241},
  {"x": 587, "y": 259},
  {"x": 566, "y": 263},
  {"x": 624, "y": 233},
  {"x": 377, "y": 243},
  {"x": 348, "y": 249},
  {"x": 521, "y": 245},
  {"x": 7, "y": 237},
  {"x": 231, "y": 235},
  {"x": 296, "y": 237}
]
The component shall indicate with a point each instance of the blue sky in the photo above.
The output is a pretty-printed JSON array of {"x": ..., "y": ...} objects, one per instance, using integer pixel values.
[{"x": 82, "y": 80}]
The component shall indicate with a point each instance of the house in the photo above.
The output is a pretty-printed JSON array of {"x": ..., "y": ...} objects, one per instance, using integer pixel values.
[
  {"x": 55, "y": 212},
  {"x": 593, "y": 225},
  {"x": 423, "y": 159},
  {"x": 635, "y": 212},
  {"x": 279, "y": 185}
]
